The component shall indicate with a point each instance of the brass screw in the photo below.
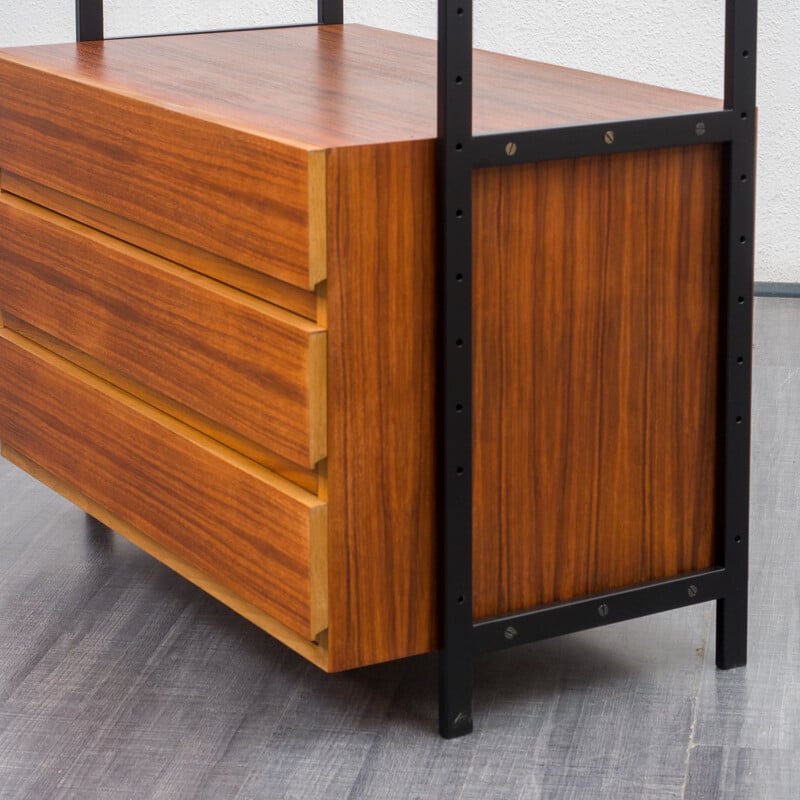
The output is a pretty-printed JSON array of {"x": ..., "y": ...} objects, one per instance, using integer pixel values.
[
  {"x": 609, "y": 137},
  {"x": 511, "y": 149}
]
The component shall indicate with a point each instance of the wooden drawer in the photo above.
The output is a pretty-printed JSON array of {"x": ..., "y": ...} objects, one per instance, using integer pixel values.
[
  {"x": 241, "y": 363},
  {"x": 244, "y": 197},
  {"x": 254, "y": 532},
  {"x": 304, "y": 302}
]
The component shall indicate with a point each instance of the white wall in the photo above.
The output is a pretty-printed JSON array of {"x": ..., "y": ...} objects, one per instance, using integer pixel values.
[{"x": 675, "y": 43}]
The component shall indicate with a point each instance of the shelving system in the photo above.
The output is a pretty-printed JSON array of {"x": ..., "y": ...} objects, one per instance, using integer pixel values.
[{"x": 461, "y": 153}]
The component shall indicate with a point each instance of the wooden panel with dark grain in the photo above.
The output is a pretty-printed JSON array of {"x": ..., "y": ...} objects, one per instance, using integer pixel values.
[
  {"x": 306, "y": 477},
  {"x": 596, "y": 304},
  {"x": 381, "y": 405},
  {"x": 242, "y": 363},
  {"x": 213, "y": 509},
  {"x": 292, "y": 298},
  {"x": 338, "y": 86},
  {"x": 314, "y": 651},
  {"x": 227, "y": 191}
]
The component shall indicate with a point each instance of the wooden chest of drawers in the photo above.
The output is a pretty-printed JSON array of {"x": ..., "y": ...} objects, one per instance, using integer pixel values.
[{"x": 218, "y": 294}]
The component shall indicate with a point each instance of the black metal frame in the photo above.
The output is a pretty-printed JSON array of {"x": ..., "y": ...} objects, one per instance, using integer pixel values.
[{"x": 460, "y": 152}]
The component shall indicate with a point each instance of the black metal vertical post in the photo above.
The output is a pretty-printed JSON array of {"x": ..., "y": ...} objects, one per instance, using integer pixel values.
[
  {"x": 89, "y": 20},
  {"x": 330, "y": 12},
  {"x": 736, "y": 328},
  {"x": 455, "y": 236}
]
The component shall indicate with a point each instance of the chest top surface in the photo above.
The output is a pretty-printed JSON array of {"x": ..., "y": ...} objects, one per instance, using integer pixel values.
[{"x": 337, "y": 86}]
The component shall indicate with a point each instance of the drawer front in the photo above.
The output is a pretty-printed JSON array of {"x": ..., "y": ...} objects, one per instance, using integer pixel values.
[
  {"x": 236, "y": 522},
  {"x": 242, "y": 363},
  {"x": 237, "y": 195},
  {"x": 299, "y": 301}
]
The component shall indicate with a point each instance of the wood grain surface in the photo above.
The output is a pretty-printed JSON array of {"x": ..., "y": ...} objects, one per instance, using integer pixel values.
[
  {"x": 212, "y": 509},
  {"x": 381, "y": 403},
  {"x": 315, "y": 652},
  {"x": 256, "y": 283},
  {"x": 337, "y": 86},
  {"x": 236, "y": 195},
  {"x": 242, "y": 363},
  {"x": 306, "y": 477},
  {"x": 596, "y": 308}
]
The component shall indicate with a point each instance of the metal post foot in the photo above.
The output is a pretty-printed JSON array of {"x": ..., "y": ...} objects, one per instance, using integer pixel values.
[{"x": 732, "y": 632}]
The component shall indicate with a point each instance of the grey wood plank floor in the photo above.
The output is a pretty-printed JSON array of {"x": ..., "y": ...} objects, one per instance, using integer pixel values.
[{"x": 120, "y": 680}]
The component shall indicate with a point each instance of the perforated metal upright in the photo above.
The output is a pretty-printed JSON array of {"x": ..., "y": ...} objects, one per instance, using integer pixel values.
[{"x": 460, "y": 153}]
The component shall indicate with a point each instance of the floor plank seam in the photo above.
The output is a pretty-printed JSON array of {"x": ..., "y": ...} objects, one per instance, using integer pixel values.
[
  {"x": 690, "y": 744},
  {"x": 263, "y": 755}
]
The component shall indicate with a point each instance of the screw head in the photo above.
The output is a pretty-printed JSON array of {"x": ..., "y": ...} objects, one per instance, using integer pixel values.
[
  {"x": 511, "y": 149},
  {"x": 510, "y": 633},
  {"x": 602, "y": 610},
  {"x": 609, "y": 137},
  {"x": 692, "y": 591},
  {"x": 700, "y": 129}
]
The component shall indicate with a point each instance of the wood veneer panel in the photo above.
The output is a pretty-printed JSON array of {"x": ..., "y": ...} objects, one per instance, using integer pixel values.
[
  {"x": 315, "y": 652},
  {"x": 382, "y": 432},
  {"x": 236, "y": 195},
  {"x": 246, "y": 365},
  {"x": 263, "y": 286},
  {"x": 337, "y": 86},
  {"x": 596, "y": 361},
  {"x": 595, "y": 384},
  {"x": 212, "y": 509},
  {"x": 306, "y": 477}
]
